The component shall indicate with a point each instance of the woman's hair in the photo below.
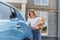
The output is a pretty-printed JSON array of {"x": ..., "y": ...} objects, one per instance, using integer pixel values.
[{"x": 31, "y": 10}]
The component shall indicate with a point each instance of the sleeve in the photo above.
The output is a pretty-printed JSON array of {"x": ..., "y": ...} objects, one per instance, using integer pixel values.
[{"x": 28, "y": 21}]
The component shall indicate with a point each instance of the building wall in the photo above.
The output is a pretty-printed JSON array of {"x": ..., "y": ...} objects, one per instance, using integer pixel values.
[
  {"x": 30, "y": 4},
  {"x": 58, "y": 19},
  {"x": 49, "y": 38},
  {"x": 51, "y": 9}
]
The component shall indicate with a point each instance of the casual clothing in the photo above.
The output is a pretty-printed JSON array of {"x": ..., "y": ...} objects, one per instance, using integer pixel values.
[
  {"x": 36, "y": 33},
  {"x": 33, "y": 21}
]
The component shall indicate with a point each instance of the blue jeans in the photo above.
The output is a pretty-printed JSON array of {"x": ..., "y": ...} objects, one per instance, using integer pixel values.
[{"x": 36, "y": 35}]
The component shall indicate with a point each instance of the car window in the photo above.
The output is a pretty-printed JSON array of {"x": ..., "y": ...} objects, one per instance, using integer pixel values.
[
  {"x": 4, "y": 12},
  {"x": 7, "y": 12}
]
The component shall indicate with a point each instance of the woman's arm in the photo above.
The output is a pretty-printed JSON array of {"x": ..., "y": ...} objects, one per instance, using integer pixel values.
[{"x": 40, "y": 23}]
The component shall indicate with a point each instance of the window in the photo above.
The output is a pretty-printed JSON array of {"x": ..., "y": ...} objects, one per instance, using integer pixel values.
[
  {"x": 6, "y": 12},
  {"x": 44, "y": 32},
  {"x": 41, "y": 2}
]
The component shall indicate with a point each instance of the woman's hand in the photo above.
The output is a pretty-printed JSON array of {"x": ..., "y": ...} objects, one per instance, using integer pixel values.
[{"x": 39, "y": 25}]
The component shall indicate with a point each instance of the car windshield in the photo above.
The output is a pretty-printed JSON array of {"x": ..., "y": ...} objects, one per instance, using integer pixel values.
[{"x": 8, "y": 13}]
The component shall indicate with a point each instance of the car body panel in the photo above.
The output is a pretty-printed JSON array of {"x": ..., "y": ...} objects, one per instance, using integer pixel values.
[{"x": 13, "y": 28}]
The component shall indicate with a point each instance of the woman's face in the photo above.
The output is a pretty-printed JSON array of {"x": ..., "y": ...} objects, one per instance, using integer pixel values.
[{"x": 31, "y": 14}]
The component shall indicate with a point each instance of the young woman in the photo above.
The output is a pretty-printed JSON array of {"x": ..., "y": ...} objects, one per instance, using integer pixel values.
[{"x": 32, "y": 20}]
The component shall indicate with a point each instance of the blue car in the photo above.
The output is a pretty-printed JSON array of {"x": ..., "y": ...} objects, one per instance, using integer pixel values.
[{"x": 12, "y": 24}]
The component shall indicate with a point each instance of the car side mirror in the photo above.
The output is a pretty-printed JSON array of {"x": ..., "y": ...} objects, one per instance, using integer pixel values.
[{"x": 13, "y": 13}]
